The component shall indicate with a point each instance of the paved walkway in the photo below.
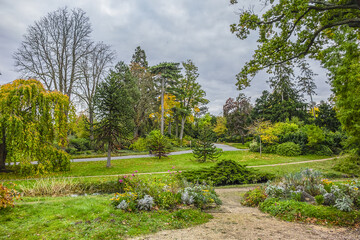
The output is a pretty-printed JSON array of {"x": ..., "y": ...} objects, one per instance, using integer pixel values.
[{"x": 224, "y": 147}]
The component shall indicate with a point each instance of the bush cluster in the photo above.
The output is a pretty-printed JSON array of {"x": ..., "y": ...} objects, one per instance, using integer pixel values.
[
  {"x": 167, "y": 193},
  {"x": 288, "y": 149},
  {"x": 226, "y": 172}
]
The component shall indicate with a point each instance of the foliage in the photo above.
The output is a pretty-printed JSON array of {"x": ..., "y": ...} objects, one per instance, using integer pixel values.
[
  {"x": 113, "y": 108},
  {"x": 165, "y": 193},
  {"x": 220, "y": 128},
  {"x": 7, "y": 195},
  {"x": 80, "y": 144},
  {"x": 327, "y": 117},
  {"x": 292, "y": 210},
  {"x": 237, "y": 115},
  {"x": 254, "y": 146},
  {"x": 288, "y": 149},
  {"x": 201, "y": 195},
  {"x": 158, "y": 144},
  {"x": 254, "y": 197},
  {"x": 319, "y": 199},
  {"x": 139, "y": 145},
  {"x": 204, "y": 150},
  {"x": 31, "y": 121},
  {"x": 226, "y": 172},
  {"x": 349, "y": 164}
]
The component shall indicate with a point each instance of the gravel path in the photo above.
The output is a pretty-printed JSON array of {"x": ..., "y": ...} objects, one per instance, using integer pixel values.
[
  {"x": 234, "y": 221},
  {"x": 224, "y": 147}
]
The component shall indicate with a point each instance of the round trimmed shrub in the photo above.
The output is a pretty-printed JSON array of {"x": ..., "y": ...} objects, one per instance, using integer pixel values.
[
  {"x": 288, "y": 149},
  {"x": 254, "y": 147}
]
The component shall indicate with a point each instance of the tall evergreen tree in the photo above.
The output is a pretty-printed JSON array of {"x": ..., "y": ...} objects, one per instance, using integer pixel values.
[
  {"x": 144, "y": 80},
  {"x": 306, "y": 82},
  {"x": 168, "y": 74},
  {"x": 113, "y": 104}
]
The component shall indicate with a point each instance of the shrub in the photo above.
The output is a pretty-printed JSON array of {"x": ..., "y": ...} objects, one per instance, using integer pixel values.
[
  {"x": 270, "y": 149},
  {"x": 226, "y": 172},
  {"x": 80, "y": 144},
  {"x": 145, "y": 203},
  {"x": 288, "y": 149},
  {"x": 7, "y": 195},
  {"x": 139, "y": 145},
  {"x": 158, "y": 144},
  {"x": 323, "y": 150},
  {"x": 254, "y": 146},
  {"x": 254, "y": 197},
  {"x": 349, "y": 164}
]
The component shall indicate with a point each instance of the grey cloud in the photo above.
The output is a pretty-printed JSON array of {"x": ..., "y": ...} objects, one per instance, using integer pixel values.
[{"x": 167, "y": 30}]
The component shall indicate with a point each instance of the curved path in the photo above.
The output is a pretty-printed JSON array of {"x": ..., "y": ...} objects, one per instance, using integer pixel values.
[
  {"x": 234, "y": 221},
  {"x": 224, "y": 147}
]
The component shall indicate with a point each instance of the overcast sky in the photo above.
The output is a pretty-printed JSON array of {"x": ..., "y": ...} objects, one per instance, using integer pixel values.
[{"x": 168, "y": 30}]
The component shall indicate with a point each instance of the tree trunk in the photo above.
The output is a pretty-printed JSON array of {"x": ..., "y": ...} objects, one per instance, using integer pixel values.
[
  {"x": 136, "y": 131},
  {"x": 91, "y": 121},
  {"x": 313, "y": 106},
  {"x": 162, "y": 105},
  {"x": 183, "y": 118},
  {"x": 169, "y": 128},
  {"x": 108, "y": 163},
  {"x": 3, "y": 151},
  {"x": 176, "y": 127}
]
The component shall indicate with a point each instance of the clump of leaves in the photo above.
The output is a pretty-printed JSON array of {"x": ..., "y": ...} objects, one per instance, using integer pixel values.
[{"x": 227, "y": 172}]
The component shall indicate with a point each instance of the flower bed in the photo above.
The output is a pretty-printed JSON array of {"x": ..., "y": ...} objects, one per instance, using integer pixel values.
[{"x": 162, "y": 193}]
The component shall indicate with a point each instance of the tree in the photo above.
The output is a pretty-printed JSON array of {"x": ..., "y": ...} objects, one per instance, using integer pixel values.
[
  {"x": 168, "y": 73},
  {"x": 237, "y": 114},
  {"x": 258, "y": 128},
  {"x": 327, "y": 117},
  {"x": 145, "y": 103},
  {"x": 220, "y": 128},
  {"x": 158, "y": 144},
  {"x": 292, "y": 29},
  {"x": 188, "y": 93},
  {"x": 33, "y": 125},
  {"x": 54, "y": 49},
  {"x": 282, "y": 81},
  {"x": 204, "y": 150},
  {"x": 93, "y": 70},
  {"x": 306, "y": 82},
  {"x": 113, "y": 104}
]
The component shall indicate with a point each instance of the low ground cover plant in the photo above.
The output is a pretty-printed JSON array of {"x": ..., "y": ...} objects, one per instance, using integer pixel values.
[
  {"x": 167, "y": 193},
  {"x": 306, "y": 196},
  {"x": 226, "y": 172}
]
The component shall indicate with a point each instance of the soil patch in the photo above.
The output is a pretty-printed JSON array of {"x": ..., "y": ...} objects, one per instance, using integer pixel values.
[{"x": 234, "y": 221}]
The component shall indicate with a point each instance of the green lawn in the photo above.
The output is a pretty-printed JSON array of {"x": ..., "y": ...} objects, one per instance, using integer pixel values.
[
  {"x": 176, "y": 162},
  {"x": 237, "y": 145},
  {"x": 90, "y": 217}
]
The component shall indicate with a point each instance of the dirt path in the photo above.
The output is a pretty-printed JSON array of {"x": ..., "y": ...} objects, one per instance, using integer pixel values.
[{"x": 234, "y": 221}]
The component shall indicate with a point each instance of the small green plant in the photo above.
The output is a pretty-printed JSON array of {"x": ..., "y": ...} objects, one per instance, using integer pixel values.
[
  {"x": 254, "y": 197},
  {"x": 319, "y": 199},
  {"x": 158, "y": 144},
  {"x": 204, "y": 149},
  {"x": 288, "y": 149},
  {"x": 139, "y": 145}
]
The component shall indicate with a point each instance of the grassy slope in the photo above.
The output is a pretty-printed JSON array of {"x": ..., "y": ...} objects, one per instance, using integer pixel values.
[{"x": 90, "y": 217}]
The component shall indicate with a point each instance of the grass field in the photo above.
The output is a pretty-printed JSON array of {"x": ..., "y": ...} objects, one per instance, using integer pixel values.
[
  {"x": 176, "y": 162},
  {"x": 87, "y": 217}
]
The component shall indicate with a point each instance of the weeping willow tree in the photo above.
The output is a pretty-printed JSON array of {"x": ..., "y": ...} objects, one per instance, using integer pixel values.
[{"x": 33, "y": 127}]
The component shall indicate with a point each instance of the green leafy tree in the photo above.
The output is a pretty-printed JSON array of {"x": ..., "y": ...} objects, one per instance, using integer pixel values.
[
  {"x": 33, "y": 126},
  {"x": 326, "y": 30},
  {"x": 189, "y": 93},
  {"x": 114, "y": 110},
  {"x": 158, "y": 144}
]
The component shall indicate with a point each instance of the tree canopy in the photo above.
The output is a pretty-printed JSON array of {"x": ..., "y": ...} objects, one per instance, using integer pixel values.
[{"x": 33, "y": 125}]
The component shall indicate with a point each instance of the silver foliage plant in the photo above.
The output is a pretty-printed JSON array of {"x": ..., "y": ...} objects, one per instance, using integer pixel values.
[
  {"x": 146, "y": 203},
  {"x": 122, "y": 205}
]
